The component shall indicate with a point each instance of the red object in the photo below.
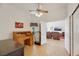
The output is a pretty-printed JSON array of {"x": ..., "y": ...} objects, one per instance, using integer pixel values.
[{"x": 18, "y": 25}]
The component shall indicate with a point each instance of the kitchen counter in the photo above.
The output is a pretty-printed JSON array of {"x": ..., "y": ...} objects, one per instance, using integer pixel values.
[{"x": 9, "y": 47}]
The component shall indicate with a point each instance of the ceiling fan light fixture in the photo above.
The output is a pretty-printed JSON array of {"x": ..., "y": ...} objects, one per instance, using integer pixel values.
[
  {"x": 38, "y": 11},
  {"x": 38, "y": 14},
  {"x": 32, "y": 12}
]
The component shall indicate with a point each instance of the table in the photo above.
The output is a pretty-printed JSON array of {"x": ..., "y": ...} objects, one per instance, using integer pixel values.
[{"x": 9, "y": 47}]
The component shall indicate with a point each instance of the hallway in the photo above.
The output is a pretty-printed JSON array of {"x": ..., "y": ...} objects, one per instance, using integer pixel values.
[{"x": 52, "y": 48}]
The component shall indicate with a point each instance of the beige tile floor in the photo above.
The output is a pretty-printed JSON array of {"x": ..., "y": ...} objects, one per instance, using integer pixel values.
[{"x": 51, "y": 48}]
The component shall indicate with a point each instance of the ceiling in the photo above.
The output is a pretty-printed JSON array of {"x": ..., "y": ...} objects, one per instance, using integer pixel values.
[{"x": 56, "y": 11}]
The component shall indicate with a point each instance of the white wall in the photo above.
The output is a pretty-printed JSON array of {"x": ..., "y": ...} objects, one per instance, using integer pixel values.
[
  {"x": 67, "y": 40},
  {"x": 60, "y": 24},
  {"x": 43, "y": 33},
  {"x": 9, "y": 13},
  {"x": 8, "y": 16}
]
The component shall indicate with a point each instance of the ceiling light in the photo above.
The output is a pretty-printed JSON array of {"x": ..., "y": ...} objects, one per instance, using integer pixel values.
[
  {"x": 38, "y": 11},
  {"x": 39, "y": 14}
]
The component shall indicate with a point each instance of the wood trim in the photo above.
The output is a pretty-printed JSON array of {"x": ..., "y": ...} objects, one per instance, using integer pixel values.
[{"x": 75, "y": 9}]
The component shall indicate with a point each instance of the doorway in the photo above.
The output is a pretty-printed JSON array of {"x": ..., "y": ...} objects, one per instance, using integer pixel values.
[{"x": 56, "y": 37}]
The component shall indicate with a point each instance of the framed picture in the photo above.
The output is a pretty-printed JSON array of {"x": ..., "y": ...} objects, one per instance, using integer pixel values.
[
  {"x": 19, "y": 25},
  {"x": 34, "y": 24}
]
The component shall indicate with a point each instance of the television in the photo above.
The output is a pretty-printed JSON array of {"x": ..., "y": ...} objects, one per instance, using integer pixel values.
[{"x": 57, "y": 29}]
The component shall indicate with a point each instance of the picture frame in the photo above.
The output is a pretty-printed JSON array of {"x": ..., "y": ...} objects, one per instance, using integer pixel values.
[{"x": 19, "y": 25}]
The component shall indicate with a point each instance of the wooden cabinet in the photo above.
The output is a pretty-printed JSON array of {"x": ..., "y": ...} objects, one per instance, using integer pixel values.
[{"x": 22, "y": 37}]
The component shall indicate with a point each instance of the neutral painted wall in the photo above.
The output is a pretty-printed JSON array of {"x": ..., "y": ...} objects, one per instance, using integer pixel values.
[
  {"x": 67, "y": 40},
  {"x": 43, "y": 33},
  {"x": 8, "y": 16},
  {"x": 10, "y": 13},
  {"x": 60, "y": 24}
]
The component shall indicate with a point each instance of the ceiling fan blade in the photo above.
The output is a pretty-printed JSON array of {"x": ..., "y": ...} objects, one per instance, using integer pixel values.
[
  {"x": 42, "y": 10},
  {"x": 31, "y": 10}
]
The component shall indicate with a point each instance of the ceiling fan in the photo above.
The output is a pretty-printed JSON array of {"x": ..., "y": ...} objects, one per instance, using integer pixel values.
[{"x": 39, "y": 11}]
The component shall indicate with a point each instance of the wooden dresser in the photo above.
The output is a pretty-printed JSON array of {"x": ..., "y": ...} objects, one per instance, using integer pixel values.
[{"x": 25, "y": 37}]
